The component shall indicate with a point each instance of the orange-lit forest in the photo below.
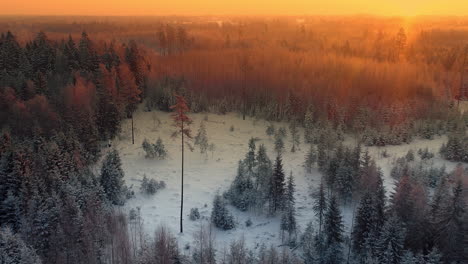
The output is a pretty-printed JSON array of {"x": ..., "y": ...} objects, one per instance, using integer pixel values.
[{"x": 72, "y": 87}]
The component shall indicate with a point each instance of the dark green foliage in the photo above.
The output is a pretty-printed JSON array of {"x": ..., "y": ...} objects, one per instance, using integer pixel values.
[
  {"x": 391, "y": 241},
  {"x": 112, "y": 177},
  {"x": 333, "y": 228},
  {"x": 320, "y": 205},
  {"x": 425, "y": 154},
  {"x": 220, "y": 215},
  {"x": 151, "y": 187},
  {"x": 194, "y": 214},
  {"x": 277, "y": 187},
  {"x": 270, "y": 131},
  {"x": 241, "y": 192},
  {"x": 249, "y": 160},
  {"x": 456, "y": 148},
  {"x": 14, "y": 250},
  {"x": 288, "y": 219},
  {"x": 310, "y": 159},
  {"x": 157, "y": 150}
]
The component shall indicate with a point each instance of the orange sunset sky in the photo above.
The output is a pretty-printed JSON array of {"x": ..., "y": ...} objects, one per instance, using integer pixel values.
[{"x": 237, "y": 7}]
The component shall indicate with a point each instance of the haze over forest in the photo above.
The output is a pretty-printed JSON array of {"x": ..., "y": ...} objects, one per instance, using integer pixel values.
[{"x": 234, "y": 132}]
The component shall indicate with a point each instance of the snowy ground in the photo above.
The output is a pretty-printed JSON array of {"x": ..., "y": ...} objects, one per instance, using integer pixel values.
[{"x": 207, "y": 174}]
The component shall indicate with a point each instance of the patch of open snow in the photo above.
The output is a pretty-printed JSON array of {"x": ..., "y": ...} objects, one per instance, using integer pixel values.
[{"x": 205, "y": 175}]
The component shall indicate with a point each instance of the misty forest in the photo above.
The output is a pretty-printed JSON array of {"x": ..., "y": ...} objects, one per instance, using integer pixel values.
[{"x": 233, "y": 140}]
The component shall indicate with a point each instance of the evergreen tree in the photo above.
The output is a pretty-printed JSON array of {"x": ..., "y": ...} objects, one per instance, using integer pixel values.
[
  {"x": 281, "y": 132},
  {"x": 270, "y": 131},
  {"x": 309, "y": 126},
  {"x": 277, "y": 187},
  {"x": 363, "y": 223},
  {"x": 263, "y": 175},
  {"x": 112, "y": 177},
  {"x": 390, "y": 244},
  {"x": 160, "y": 149},
  {"x": 450, "y": 235},
  {"x": 279, "y": 144},
  {"x": 13, "y": 250},
  {"x": 220, "y": 216},
  {"x": 310, "y": 159},
  {"x": 320, "y": 205},
  {"x": 249, "y": 160},
  {"x": 201, "y": 138},
  {"x": 308, "y": 245},
  {"x": 181, "y": 122},
  {"x": 322, "y": 158},
  {"x": 241, "y": 191},
  {"x": 344, "y": 181},
  {"x": 288, "y": 220},
  {"x": 333, "y": 227},
  {"x": 294, "y": 136},
  {"x": 434, "y": 257}
]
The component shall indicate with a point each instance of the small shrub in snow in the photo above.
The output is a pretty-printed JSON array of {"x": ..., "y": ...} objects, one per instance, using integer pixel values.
[
  {"x": 154, "y": 150},
  {"x": 248, "y": 223},
  {"x": 401, "y": 165},
  {"x": 410, "y": 155},
  {"x": 149, "y": 149},
  {"x": 385, "y": 154},
  {"x": 270, "y": 131},
  {"x": 425, "y": 154},
  {"x": 160, "y": 149},
  {"x": 201, "y": 139},
  {"x": 279, "y": 144},
  {"x": 282, "y": 132},
  {"x": 152, "y": 186},
  {"x": 194, "y": 214}
]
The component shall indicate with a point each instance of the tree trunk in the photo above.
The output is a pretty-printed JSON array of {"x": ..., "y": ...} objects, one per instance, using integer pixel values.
[
  {"x": 133, "y": 134},
  {"x": 182, "y": 182}
]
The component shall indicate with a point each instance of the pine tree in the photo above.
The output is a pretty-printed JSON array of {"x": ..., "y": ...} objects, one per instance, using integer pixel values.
[
  {"x": 270, "y": 131},
  {"x": 181, "y": 122},
  {"x": 201, "y": 138},
  {"x": 344, "y": 181},
  {"x": 322, "y": 158},
  {"x": 309, "y": 126},
  {"x": 450, "y": 225},
  {"x": 333, "y": 227},
  {"x": 10, "y": 211},
  {"x": 307, "y": 244},
  {"x": 13, "y": 250},
  {"x": 294, "y": 136},
  {"x": 279, "y": 144},
  {"x": 263, "y": 174},
  {"x": 160, "y": 149},
  {"x": 220, "y": 216},
  {"x": 320, "y": 205},
  {"x": 277, "y": 187},
  {"x": 112, "y": 177},
  {"x": 310, "y": 159},
  {"x": 241, "y": 190},
  {"x": 249, "y": 160},
  {"x": 363, "y": 223},
  {"x": 288, "y": 220},
  {"x": 390, "y": 244}
]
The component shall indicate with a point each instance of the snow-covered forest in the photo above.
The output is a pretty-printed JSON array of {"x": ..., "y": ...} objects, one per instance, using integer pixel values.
[{"x": 241, "y": 140}]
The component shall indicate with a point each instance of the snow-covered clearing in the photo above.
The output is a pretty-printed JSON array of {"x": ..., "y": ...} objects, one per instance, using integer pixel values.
[{"x": 207, "y": 174}]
